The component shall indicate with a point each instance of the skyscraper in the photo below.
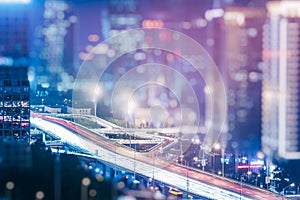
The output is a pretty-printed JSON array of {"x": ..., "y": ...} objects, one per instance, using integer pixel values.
[
  {"x": 14, "y": 84},
  {"x": 14, "y": 104},
  {"x": 234, "y": 36},
  {"x": 280, "y": 88},
  {"x": 243, "y": 32}
]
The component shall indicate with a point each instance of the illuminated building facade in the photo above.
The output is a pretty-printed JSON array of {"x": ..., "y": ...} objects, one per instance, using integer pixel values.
[
  {"x": 14, "y": 84},
  {"x": 14, "y": 104},
  {"x": 242, "y": 71},
  {"x": 234, "y": 36},
  {"x": 280, "y": 88}
]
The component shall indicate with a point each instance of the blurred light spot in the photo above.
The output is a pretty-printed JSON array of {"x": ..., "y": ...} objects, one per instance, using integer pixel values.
[
  {"x": 201, "y": 23},
  {"x": 93, "y": 38},
  {"x": 121, "y": 70},
  {"x": 10, "y": 185},
  {"x": 192, "y": 116},
  {"x": 152, "y": 23},
  {"x": 99, "y": 178},
  {"x": 161, "y": 79},
  {"x": 260, "y": 155},
  {"x": 113, "y": 32},
  {"x": 139, "y": 56},
  {"x": 45, "y": 85},
  {"x": 60, "y": 15},
  {"x": 234, "y": 145},
  {"x": 252, "y": 32},
  {"x": 254, "y": 76},
  {"x": 86, "y": 181},
  {"x": 101, "y": 49},
  {"x": 234, "y": 17},
  {"x": 163, "y": 96},
  {"x": 92, "y": 192},
  {"x": 170, "y": 57},
  {"x": 121, "y": 185},
  {"x": 193, "y": 81},
  {"x": 240, "y": 76},
  {"x": 241, "y": 113},
  {"x": 157, "y": 52},
  {"x": 73, "y": 19},
  {"x": 176, "y": 36},
  {"x": 164, "y": 36},
  {"x": 111, "y": 53},
  {"x": 30, "y": 75},
  {"x": 186, "y": 25},
  {"x": 141, "y": 69},
  {"x": 173, "y": 103},
  {"x": 97, "y": 170},
  {"x": 39, "y": 195},
  {"x": 210, "y": 42},
  {"x": 214, "y": 13},
  {"x": 85, "y": 56},
  {"x": 89, "y": 48}
]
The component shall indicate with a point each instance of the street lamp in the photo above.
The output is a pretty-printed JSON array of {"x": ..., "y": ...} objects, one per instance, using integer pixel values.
[
  {"x": 131, "y": 109},
  {"x": 97, "y": 93},
  {"x": 256, "y": 180},
  {"x": 187, "y": 164},
  {"x": 286, "y": 187},
  {"x": 217, "y": 146},
  {"x": 241, "y": 181}
]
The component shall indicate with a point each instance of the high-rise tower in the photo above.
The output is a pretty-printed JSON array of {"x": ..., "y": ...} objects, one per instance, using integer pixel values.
[
  {"x": 280, "y": 91},
  {"x": 14, "y": 84}
]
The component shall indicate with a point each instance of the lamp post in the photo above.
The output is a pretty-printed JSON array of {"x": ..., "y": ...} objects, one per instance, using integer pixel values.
[
  {"x": 217, "y": 146},
  {"x": 256, "y": 181},
  {"x": 187, "y": 165},
  {"x": 97, "y": 93},
  {"x": 203, "y": 161},
  {"x": 241, "y": 181}
]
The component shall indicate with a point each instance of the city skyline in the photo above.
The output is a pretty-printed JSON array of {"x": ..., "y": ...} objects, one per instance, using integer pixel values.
[{"x": 221, "y": 73}]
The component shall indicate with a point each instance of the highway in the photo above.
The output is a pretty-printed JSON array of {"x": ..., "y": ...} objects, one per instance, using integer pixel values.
[{"x": 196, "y": 182}]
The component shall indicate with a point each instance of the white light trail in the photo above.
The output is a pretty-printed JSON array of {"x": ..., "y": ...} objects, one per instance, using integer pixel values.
[{"x": 139, "y": 167}]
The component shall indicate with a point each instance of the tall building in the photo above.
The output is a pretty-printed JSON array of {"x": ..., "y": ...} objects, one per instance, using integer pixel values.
[
  {"x": 55, "y": 70},
  {"x": 280, "y": 86},
  {"x": 14, "y": 104},
  {"x": 14, "y": 84},
  {"x": 234, "y": 36},
  {"x": 242, "y": 72}
]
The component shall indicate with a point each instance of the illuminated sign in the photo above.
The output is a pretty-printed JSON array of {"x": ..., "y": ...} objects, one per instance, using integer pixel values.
[{"x": 249, "y": 166}]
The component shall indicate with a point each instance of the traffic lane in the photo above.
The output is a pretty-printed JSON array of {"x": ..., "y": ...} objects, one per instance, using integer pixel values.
[{"x": 261, "y": 194}]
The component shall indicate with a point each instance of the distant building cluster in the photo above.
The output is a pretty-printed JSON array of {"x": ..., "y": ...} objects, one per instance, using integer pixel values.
[
  {"x": 254, "y": 45},
  {"x": 257, "y": 51}
]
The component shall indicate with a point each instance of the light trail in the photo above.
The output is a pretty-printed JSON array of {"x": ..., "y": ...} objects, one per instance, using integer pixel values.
[{"x": 136, "y": 162}]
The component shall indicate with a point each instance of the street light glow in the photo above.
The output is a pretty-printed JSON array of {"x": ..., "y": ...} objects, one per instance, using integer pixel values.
[{"x": 217, "y": 146}]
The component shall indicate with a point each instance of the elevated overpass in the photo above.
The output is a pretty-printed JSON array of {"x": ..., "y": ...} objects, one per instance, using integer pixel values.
[{"x": 188, "y": 179}]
